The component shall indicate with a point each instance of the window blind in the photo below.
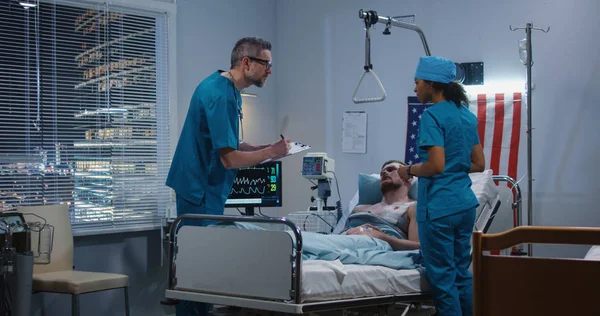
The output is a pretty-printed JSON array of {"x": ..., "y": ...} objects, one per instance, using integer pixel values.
[{"x": 85, "y": 109}]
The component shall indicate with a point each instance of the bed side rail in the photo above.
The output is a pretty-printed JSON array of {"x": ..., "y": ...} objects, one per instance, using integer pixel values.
[
  {"x": 517, "y": 210},
  {"x": 517, "y": 197},
  {"x": 177, "y": 223}
]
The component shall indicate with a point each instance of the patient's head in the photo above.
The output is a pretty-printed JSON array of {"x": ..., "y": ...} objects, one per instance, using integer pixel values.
[{"x": 390, "y": 180}]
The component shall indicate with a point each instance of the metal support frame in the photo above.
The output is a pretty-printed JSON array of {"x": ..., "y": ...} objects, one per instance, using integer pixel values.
[
  {"x": 517, "y": 196},
  {"x": 528, "y": 29},
  {"x": 517, "y": 204},
  {"x": 371, "y": 18}
]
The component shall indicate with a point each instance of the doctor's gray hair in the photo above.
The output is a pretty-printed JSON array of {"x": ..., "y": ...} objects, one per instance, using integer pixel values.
[{"x": 248, "y": 46}]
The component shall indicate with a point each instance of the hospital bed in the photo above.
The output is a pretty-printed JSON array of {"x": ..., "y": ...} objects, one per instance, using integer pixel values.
[
  {"x": 263, "y": 269},
  {"x": 508, "y": 285}
]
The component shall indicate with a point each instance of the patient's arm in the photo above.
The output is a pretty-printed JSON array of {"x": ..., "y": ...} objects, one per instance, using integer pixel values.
[
  {"x": 400, "y": 244},
  {"x": 413, "y": 228},
  {"x": 395, "y": 243}
]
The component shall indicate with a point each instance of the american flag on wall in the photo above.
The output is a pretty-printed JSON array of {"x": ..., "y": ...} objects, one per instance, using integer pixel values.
[{"x": 499, "y": 117}]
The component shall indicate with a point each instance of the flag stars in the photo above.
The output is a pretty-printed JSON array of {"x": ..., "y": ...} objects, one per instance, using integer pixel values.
[
  {"x": 411, "y": 149},
  {"x": 413, "y": 136},
  {"x": 416, "y": 156},
  {"x": 414, "y": 123}
]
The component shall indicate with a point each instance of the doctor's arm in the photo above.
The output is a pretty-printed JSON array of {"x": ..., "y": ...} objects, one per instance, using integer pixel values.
[
  {"x": 249, "y": 147},
  {"x": 233, "y": 159}
]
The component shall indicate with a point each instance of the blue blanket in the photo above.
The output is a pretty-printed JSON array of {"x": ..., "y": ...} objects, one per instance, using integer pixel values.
[
  {"x": 358, "y": 219},
  {"x": 357, "y": 249},
  {"x": 351, "y": 249}
]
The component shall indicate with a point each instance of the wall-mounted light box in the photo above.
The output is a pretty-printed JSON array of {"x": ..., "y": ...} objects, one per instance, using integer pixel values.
[{"x": 469, "y": 74}]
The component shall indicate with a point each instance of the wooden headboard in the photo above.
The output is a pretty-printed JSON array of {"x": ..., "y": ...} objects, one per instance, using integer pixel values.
[{"x": 510, "y": 285}]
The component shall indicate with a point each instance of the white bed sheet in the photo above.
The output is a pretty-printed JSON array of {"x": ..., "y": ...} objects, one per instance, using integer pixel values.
[{"x": 332, "y": 280}]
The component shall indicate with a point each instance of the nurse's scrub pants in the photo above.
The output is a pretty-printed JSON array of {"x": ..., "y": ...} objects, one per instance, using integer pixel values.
[{"x": 446, "y": 248}]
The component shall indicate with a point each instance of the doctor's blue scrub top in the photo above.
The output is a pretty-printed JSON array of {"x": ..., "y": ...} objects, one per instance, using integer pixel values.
[
  {"x": 197, "y": 173},
  {"x": 454, "y": 128}
]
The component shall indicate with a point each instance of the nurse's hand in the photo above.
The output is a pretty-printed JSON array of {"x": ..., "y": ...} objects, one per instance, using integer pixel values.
[
  {"x": 403, "y": 172},
  {"x": 281, "y": 148}
]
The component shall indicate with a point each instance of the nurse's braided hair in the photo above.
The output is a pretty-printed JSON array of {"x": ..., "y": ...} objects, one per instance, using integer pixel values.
[
  {"x": 452, "y": 92},
  {"x": 248, "y": 47}
]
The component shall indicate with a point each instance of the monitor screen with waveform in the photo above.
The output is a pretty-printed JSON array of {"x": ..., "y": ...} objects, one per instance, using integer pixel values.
[{"x": 258, "y": 186}]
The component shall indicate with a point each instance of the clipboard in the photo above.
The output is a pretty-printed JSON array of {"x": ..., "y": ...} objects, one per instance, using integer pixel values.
[{"x": 295, "y": 147}]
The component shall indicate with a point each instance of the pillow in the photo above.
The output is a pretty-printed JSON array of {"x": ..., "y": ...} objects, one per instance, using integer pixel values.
[
  {"x": 369, "y": 189},
  {"x": 483, "y": 186}
]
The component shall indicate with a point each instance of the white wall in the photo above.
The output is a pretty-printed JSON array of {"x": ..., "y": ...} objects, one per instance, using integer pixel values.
[
  {"x": 206, "y": 33},
  {"x": 321, "y": 54}
]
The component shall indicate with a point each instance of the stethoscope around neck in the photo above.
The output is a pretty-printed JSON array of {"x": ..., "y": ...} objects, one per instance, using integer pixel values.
[
  {"x": 239, "y": 108},
  {"x": 241, "y": 116}
]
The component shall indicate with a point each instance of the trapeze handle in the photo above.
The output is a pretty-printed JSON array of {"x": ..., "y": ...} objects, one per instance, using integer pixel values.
[{"x": 373, "y": 99}]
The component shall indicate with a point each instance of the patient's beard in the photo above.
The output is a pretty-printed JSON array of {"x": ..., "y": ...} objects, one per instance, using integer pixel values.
[{"x": 389, "y": 187}]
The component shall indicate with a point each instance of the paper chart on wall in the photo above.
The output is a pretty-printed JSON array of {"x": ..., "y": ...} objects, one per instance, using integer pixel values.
[
  {"x": 295, "y": 147},
  {"x": 354, "y": 132}
]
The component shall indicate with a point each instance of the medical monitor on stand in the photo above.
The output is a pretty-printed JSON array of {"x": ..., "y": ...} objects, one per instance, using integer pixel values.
[{"x": 258, "y": 186}]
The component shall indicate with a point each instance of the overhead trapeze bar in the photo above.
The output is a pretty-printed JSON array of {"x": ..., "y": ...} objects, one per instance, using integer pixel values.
[{"x": 371, "y": 18}]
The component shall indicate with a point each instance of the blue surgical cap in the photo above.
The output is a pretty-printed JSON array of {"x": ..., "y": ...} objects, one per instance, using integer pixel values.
[{"x": 436, "y": 69}]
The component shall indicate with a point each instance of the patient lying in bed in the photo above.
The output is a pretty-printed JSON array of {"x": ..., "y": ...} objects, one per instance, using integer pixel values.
[
  {"x": 390, "y": 224},
  {"x": 392, "y": 220}
]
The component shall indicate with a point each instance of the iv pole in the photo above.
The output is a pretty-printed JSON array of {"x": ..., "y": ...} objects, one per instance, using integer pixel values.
[
  {"x": 529, "y": 62},
  {"x": 371, "y": 18}
]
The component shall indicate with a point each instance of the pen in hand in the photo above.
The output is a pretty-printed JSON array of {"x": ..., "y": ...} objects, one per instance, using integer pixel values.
[{"x": 284, "y": 138}]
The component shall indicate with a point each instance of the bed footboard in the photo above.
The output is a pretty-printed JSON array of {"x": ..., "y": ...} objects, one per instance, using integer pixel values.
[
  {"x": 233, "y": 262},
  {"x": 509, "y": 285}
]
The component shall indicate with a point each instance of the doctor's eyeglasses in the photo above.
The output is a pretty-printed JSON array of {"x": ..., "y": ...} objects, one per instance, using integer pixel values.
[{"x": 265, "y": 62}]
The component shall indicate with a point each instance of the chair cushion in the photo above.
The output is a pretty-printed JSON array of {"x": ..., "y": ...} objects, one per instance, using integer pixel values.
[{"x": 77, "y": 282}]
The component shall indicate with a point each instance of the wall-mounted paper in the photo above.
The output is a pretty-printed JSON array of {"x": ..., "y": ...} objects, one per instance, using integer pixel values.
[{"x": 354, "y": 132}]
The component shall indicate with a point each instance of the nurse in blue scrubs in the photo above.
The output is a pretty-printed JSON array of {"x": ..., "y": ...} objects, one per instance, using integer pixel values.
[
  {"x": 210, "y": 149},
  {"x": 449, "y": 148}
]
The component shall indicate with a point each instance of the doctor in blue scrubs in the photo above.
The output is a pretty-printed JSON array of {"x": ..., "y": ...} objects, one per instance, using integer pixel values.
[
  {"x": 210, "y": 149},
  {"x": 449, "y": 148}
]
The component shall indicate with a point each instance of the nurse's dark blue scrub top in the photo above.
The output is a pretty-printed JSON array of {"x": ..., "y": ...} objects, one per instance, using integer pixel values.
[
  {"x": 197, "y": 173},
  {"x": 454, "y": 128}
]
